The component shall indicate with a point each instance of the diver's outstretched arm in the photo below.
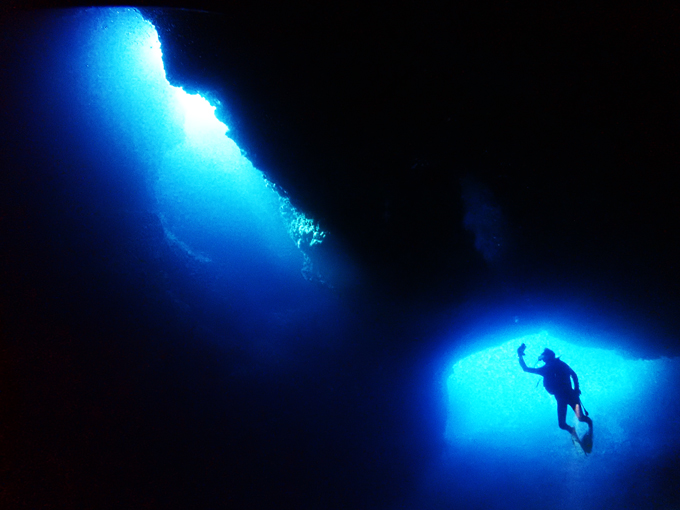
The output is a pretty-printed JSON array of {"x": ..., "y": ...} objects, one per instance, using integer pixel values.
[{"x": 520, "y": 354}]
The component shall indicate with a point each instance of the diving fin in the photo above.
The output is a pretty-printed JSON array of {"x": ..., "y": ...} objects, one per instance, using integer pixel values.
[{"x": 587, "y": 441}]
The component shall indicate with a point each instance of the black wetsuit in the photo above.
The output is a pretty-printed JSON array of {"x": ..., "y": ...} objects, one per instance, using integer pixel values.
[{"x": 557, "y": 377}]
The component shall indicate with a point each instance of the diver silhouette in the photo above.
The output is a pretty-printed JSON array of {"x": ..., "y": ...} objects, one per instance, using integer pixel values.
[{"x": 557, "y": 377}]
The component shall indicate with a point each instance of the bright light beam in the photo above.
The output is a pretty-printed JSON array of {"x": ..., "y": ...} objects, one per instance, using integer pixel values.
[
  {"x": 213, "y": 203},
  {"x": 200, "y": 123}
]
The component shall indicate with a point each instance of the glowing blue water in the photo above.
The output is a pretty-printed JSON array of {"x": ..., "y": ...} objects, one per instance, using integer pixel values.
[
  {"x": 213, "y": 203},
  {"x": 481, "y": 385},
  {"x": 501, "y": 419}
]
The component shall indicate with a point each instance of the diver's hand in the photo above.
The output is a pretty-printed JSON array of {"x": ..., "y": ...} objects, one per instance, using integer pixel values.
[{"x": 520, "y": 350}]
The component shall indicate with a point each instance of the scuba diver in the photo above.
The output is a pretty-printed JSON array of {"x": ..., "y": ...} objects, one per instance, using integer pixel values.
[{"x": 556, "y": 380}]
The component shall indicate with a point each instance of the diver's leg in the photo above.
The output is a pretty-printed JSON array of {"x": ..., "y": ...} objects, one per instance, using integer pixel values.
[
  {"x": 581, "y": 417},
  {"x": 562, "y": 416},
  {"x": 587, "y": 440}
]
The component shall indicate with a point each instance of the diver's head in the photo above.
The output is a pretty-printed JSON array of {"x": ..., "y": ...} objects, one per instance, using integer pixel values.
[{"x": 547, "y": 356}]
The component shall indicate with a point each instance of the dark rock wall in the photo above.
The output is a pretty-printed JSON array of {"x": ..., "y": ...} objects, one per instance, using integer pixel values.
[{"x": 371, "y": 117}]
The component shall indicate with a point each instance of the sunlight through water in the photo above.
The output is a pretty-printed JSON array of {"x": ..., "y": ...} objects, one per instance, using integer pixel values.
[{"x": 213, "y": 204}]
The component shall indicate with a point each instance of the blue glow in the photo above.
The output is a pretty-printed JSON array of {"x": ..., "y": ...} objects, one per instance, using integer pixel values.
[
  {"x": 200, "y": 123},
  {"x": 213, "y": 204},
  {"x": 494, "y": 406},
  {"x": 501, "y": 420}
]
